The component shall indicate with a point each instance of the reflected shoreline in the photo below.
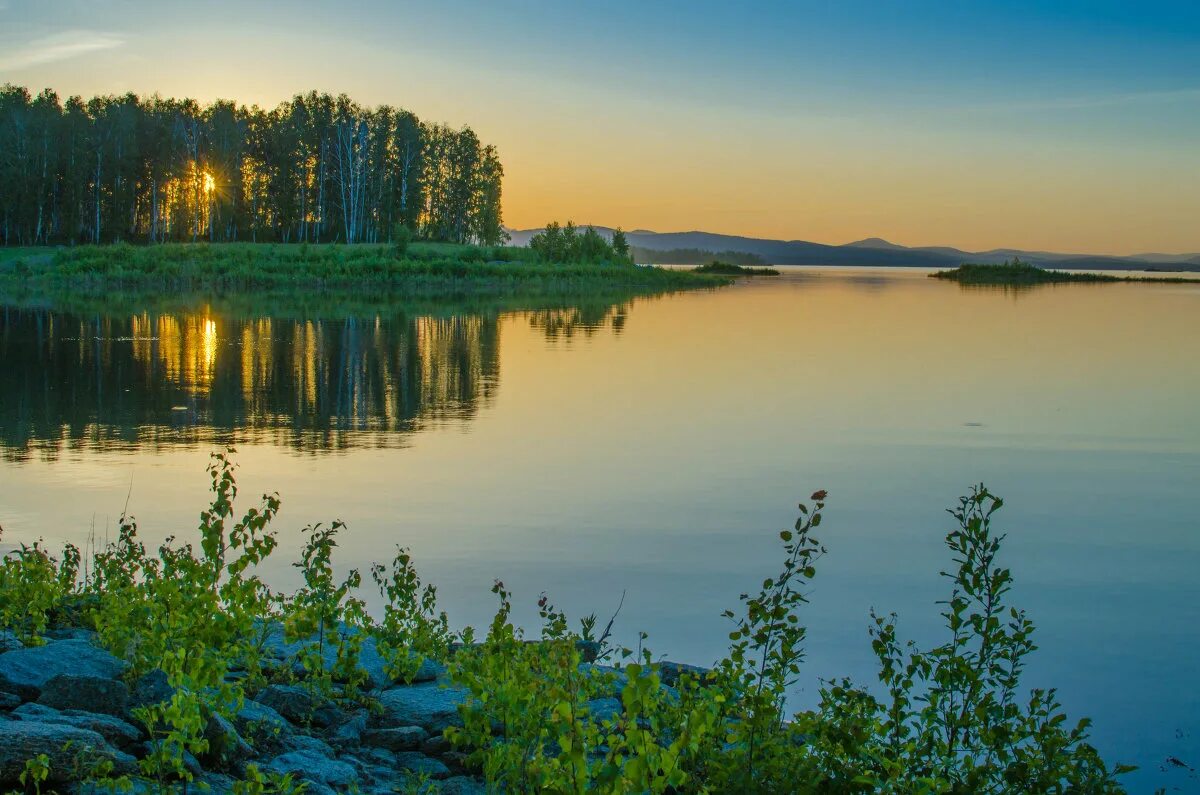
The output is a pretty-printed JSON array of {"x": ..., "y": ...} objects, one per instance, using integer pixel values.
[{"x": 219, "y": 373}]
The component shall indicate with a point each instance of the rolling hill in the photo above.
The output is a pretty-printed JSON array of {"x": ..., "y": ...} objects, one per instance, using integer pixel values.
[{"x": 874, "y": 251}]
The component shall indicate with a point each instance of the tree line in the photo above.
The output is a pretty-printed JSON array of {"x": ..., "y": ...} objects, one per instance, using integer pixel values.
[
  {"x": 317, "y": 168},
  {"x": 567, "y": 243}
]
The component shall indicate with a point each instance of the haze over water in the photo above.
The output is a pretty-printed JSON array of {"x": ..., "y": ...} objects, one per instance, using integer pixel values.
[{"x": 656, "y": 447}]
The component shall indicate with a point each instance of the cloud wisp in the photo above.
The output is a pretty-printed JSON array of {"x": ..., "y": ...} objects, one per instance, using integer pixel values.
[{"x": 58, "y": 47}]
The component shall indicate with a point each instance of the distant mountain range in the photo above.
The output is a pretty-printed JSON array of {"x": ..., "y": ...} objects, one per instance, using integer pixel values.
[{"x": 874, "y": 251}]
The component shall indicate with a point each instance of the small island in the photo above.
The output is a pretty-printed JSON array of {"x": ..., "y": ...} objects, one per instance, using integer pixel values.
[
  {"x": 729, "y": 269},
  {"x": 1020, "y": 274}
]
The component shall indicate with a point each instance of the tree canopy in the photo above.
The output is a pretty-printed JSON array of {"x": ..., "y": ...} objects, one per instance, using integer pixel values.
[{"x": 317, "y": 168}]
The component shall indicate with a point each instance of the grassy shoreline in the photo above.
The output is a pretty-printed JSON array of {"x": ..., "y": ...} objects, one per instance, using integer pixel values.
[{"x": 423, "y": 269}]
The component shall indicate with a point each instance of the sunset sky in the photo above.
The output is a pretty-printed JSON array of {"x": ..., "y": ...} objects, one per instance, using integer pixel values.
[{"x": 1071, "y": 126}]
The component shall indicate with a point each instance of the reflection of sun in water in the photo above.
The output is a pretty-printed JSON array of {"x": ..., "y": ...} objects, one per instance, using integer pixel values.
[{"x": 210, "y": 184}]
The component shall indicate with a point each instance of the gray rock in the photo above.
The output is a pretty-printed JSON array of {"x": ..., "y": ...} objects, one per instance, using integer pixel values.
[
  {"x": 418, "y": 763},
  {"x": 671, "y": 672},
  {"x": 115, "y": 731},
  {"x": 72, "y": 751},
  {"x": 217, "y": 783},
  {"x": 605, "y": 709},
  {"x": 314, "y": 767},
  {"x": 436, "y": 745},
  {"x": 303, "y": 743},
  {"x": 462, "y": 785},
  {"x": 351, "y": 732},
  {"x": 432, "y": 707},
  {"x": 26, "y": 671},
  {"x": 87, "y": 693},
  {"x": 398, "y": 738},
  {"x": 150, "y": 688},
  {"x": 263, "y": 728},
  {"x": 9, "y": 641},
  {"x": 226, "y": 748},
  {"x": 297, "y": 704}
]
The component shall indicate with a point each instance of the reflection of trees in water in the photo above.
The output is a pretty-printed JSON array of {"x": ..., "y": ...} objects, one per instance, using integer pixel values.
[
  {"x": 586, "y": 319},
  {"x": 184, "y": 378}
]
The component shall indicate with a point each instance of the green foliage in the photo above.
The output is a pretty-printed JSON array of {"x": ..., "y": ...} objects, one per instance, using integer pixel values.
[
  {"x": 955, "y": 718},
  {"x": 33, "y": 587},
  {"x": 329, "y": 610},
  {"x": 412, "y": 628},
  {"x": 401, "y": 237},
  {"x": 35, "y": 773},
  {"x": 256, "y": 782},
  {"x": 533, "y": 721},
  {"x": 189, "y": 615},
  {"x": 565, "y": 244}
]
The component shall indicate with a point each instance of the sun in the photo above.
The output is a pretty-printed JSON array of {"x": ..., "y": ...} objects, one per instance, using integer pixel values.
[{"x": 210, "y": 184}]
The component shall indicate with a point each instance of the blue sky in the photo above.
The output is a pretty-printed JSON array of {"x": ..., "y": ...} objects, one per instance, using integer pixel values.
[{"x": 1055, "y": 125}]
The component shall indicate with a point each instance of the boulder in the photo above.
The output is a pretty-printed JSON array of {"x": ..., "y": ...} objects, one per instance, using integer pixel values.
[
  {"x": 351, "y": 732},
  {"x": 298, "y": 705},
  {"x": 115, "y": 731},
  {"x": 421, "y": 765},
  {"x": 604, "y": 709},
  {"x": 671, "y": 672},
  {"x": 430, "y": 705},
  {"x": 306, "y": 744},
  {"x": 26, "y": 671},
  {"x": 436, "y": 745},
  {"x": 462, "y": 785},
  {"x": 226, "y": 748},
  {"x": 151, "y": 688},
  {"x": 87, "y": 693},
  {"x": 9, "y": 641},
  {"x": 71, "y": 633},
  {"x": 255, "y": 720},
  {"x": 398, "y": 738},
  {"x": 72, "y": 751},
  {"x": 315, "y": 767}
]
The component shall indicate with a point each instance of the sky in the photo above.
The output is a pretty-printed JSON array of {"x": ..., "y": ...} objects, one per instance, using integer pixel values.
[{"x": 1066, "y": 126}]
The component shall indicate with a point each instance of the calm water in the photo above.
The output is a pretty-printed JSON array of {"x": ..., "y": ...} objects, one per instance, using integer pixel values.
[{"x": 656, "y": 447}]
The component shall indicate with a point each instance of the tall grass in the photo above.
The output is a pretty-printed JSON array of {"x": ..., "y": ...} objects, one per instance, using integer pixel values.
[{"x": 422, "y": 269}]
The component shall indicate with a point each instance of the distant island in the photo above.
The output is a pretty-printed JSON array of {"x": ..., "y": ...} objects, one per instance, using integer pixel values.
[
  {"x": 729, "y": 269},
  {"x": 1018, "y": 274},
  {"x": 661, "y": 247}
]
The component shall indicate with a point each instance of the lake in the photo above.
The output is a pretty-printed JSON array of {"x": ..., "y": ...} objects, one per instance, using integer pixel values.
[{"x": 655, "y": 447}]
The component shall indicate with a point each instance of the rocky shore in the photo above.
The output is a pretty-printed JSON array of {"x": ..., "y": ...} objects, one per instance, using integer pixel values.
[{"x": 72, "y": 701}]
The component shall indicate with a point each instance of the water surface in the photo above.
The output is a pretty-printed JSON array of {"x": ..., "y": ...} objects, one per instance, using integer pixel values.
[{"x": 654, "y": 447}]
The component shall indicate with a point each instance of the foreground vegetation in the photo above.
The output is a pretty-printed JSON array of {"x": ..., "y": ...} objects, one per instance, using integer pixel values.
[
  {"x": 417, "y": 269},
  {"x": 728, "y": 269},
  {"x": 1018, "y": 274},
  {"x": 533, "y": 712}
]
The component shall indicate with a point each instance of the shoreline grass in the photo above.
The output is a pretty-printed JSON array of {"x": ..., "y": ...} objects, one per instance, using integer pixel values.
[{"x": 422, "y": 269}]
